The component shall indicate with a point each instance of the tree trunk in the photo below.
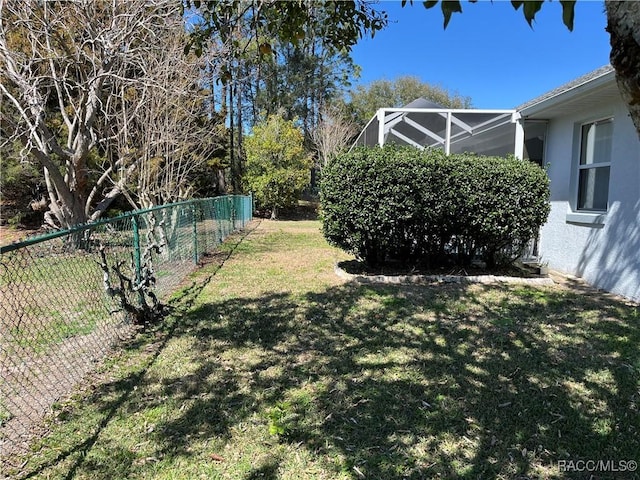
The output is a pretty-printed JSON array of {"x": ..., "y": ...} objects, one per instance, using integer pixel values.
[
  {"x": 221, "y": 182},
  {"x": 623, "y": 25},
  {"x": 232, "y": 149},
  {"x": 238, "y": 157}
]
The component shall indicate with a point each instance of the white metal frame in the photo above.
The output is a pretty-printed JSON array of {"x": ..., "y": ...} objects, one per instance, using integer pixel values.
[{"x": 389, "y": 118}]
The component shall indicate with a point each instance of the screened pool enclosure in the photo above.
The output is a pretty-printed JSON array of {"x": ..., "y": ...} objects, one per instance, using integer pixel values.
[{"x": 424, "y": 124}]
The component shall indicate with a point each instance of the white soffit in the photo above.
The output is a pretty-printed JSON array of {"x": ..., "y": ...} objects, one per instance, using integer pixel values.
[{"x": 579, "y": 95}]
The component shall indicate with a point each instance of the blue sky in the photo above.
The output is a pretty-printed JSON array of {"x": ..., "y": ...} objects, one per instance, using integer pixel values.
[{"x": 488, "y": 52}]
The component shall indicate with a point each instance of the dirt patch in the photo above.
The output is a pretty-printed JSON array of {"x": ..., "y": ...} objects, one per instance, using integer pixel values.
[
  {"x": 12, "y": 235},
  {"x": 32, "y": 385}
]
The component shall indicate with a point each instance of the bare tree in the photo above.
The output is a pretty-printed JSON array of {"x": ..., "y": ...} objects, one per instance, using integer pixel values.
[
  {"x": 66, "y": 69},
  {"x": 332, "y": 134},
  {"x": 168, "y": 127}
]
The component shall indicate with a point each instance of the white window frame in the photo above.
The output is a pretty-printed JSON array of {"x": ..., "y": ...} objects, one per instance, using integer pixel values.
[{"x": 590, "y": 166}]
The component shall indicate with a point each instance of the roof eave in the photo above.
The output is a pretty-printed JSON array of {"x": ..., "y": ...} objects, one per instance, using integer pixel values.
[{"x": 591, "y": 85}]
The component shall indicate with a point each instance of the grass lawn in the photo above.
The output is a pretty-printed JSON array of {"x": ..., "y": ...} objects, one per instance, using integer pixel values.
[{"x": 273, "y": 368}]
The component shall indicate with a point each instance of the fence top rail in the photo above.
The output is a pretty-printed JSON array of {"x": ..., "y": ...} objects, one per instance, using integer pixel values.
[{"x": 87, "y": 226}]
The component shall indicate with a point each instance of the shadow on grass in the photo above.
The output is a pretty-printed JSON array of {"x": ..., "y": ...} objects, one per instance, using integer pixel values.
[
  {"x": 418, "y": 382},
  {"x": 395, "y": 382},
  {"x": 110, "y": 396},
  {"x": 265, "y": 472}
]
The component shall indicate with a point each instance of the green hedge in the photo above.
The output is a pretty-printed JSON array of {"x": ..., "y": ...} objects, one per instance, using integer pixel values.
[{"x": 404, "y": 205}]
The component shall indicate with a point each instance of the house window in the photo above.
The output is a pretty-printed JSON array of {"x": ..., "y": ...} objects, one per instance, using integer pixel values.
[{"x": 595, "y": 162}]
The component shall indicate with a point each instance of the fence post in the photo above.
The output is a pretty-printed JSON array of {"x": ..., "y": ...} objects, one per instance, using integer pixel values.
[
  {"x": 232, "y": 202},
  {"x": 136, "y": 254},
  {"x": 224, "y": 206},
  {"x": 194, "y": 219},
  {"x": 251, "y": 206}
]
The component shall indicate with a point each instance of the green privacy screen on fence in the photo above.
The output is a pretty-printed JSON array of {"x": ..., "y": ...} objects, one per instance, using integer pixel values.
[{"x": 56, "y": 317}]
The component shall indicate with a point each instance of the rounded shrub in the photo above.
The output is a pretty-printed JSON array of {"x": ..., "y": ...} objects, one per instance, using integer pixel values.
[{"x": 400, "y": 204}]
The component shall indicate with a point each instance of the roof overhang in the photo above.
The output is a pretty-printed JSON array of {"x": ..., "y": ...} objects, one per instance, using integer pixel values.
[{"x": 601, "y": 90}]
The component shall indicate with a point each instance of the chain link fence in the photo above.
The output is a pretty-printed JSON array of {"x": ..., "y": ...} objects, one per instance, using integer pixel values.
[{"x": 58, "y": 314}]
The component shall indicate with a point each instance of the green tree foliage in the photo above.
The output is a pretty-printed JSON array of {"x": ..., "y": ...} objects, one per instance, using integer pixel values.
[
  {"x": 366, "y": 100},
  {"x": 300, "y": 66},
  {"x": 278, "y": 167},
  {"x": 422, "y": 207},
  {"x": 300, "y": 79},
  {"x": 345, "y": 22},
  {"x": 271, "y": 65},
  {"x": 529, "y": 9}
]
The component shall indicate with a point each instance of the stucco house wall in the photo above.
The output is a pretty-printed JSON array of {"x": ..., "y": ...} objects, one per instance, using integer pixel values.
[{"x": 604, "y": 249}]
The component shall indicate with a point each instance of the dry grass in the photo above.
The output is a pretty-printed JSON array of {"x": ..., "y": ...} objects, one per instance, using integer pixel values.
[{"x": 275, "y": 369}]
